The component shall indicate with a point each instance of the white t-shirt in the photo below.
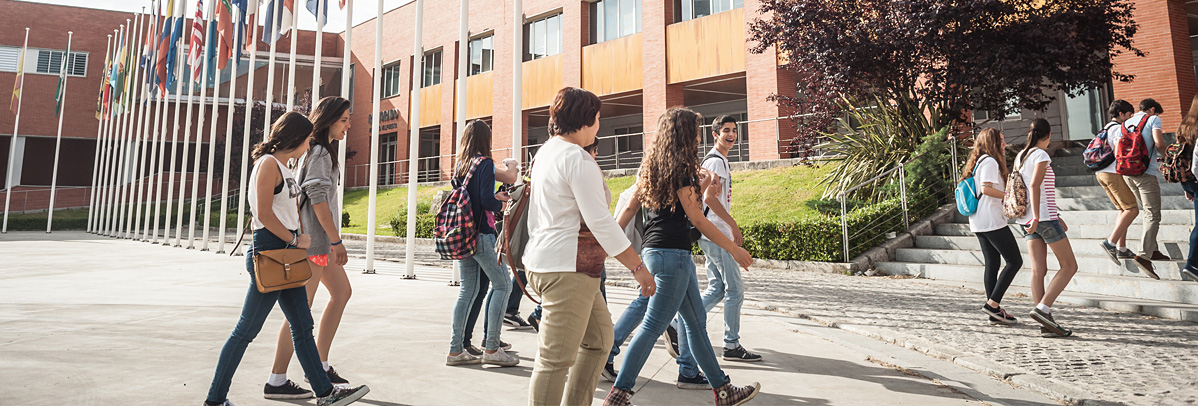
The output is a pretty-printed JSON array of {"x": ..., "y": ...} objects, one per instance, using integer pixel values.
[
  {"x": 283, "y": 204},
  {"x": 1153, "y": 123},
  {"x": 1113, "y": 134},
  {"x": 719, "y": 166},
  {"x": 1048, "y": 189},
  {"x": 989, "y": 216}
]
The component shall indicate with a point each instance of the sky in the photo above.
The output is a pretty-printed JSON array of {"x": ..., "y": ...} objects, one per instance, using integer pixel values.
[{"x": 335, "y": 21}]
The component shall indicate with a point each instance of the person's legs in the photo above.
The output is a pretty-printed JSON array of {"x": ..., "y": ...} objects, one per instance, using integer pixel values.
[
  {"x": 254, "y": 311},
  {"x": 1038, "y": 251},
  {"x": 567, "y": 304},
  {"x": 1122, "y": 223},
  {"x": 514, "y": 297},
  {"x": 475, "y": 308},
  {"x": 283, "y": 349},
  {"x": 1004, "y": 242},
  {"x": 500, "y": 288},
  {"x": 466, "y": 295},
  {"x": 337, "y": 283},
  {"x": 695, "y": 322},
  {"x": 992, "y": 259},
  {"x": 686, "y": 357},
  {"x": 1191, "y": 187},
  {"x": 733, "y": 287},
  {"x": 1064, "y": 253},
  {"x": 1148, "y": 190},
  {"x": 666, "y": 265},
  {"x": 1124, "y": 200},
  {"x": 629, "y": 320},
  {"x": 294, "y": 303},
  {"x": 584, "y": 375},
  {"x": 713, "y": 254}
]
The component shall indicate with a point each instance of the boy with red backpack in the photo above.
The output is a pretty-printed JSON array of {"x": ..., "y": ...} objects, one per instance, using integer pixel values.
[
  {"x": 1116, "y": 189},
  {"x": 1137, "y": 163}
]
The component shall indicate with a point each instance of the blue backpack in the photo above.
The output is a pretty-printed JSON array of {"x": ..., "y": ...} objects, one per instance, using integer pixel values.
[{"x": 967, "y": 193}]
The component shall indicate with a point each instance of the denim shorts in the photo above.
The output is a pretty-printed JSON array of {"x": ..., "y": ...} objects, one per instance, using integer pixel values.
[{"x": 1049, "y": 231}]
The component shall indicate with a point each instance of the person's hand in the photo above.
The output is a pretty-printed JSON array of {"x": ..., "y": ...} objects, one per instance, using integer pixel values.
[
  {"x": 1063, "y": 225},
  {"x": 737, "y": 237},
  {"x": 645, "y": 279},
  {"x": 1189, "y": 196},
  {"x": 1031, "y": 227},
  {"x": 742, "y": 257},
  {"x": 503, "y": 196},
  {"x": 303, "y": 241},
  {"x": 337, "y": 255},
  {"x": 705, "y": 178}
]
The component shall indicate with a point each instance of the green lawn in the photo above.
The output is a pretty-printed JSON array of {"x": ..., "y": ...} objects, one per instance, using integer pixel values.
[{"x": 389, "y": 203}]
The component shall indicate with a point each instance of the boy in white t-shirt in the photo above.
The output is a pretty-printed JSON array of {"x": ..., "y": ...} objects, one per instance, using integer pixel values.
[
  {"x": 1147, "y": 186},
  {"x": 1119, "y": 193}
]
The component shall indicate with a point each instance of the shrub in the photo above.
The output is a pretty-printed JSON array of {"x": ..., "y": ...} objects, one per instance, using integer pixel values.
[
  {"x": 831, "y": 207},
  {"x": 345, "y": 219},
  {"x": 425, "y": 223}
]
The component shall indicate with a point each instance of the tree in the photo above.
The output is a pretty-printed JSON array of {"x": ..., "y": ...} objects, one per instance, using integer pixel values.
[{"x": 952, "y": 56}]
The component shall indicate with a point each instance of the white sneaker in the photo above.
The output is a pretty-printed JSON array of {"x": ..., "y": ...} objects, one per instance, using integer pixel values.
[
  {"x": 461, "y": 359},
  {"x": 500, "y": 358}
]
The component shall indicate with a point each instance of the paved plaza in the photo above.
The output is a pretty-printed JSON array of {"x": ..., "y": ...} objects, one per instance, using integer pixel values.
[{"x": 91, "y": 320}]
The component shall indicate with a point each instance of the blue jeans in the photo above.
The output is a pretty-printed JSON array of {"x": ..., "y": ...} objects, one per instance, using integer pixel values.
[
  {"x": 677, "y": 293},
  {"x": 724, "y": 284},
  {"x": 632, "y": 318},
  {"x": 294, "y": 303},
  {"x": 1192, "y": 258},
  {"x": 483, "y": 261}
]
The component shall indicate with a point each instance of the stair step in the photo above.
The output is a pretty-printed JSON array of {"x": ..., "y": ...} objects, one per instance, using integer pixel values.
[
  {"x": 1167, "y": 232},
  {"x": 1185, "y": 292},
  {"x": 1081, "y": 247},
  {"x": 1102, "y": 265},
  {"x": 1063, "y": 192},
  {"x": 1168, "y": 202},
  {"x": 1108, "y": 216},
  {"x": 1077, "y": 180}
]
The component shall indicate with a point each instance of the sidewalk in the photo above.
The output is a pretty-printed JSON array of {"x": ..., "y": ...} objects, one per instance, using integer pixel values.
[
  {"x": 1112, "y": 357},
  {"x": 93, "y": 320}
]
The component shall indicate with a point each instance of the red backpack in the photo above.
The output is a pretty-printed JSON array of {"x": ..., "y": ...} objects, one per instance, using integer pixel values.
[{"x": 1131, "y": 153}]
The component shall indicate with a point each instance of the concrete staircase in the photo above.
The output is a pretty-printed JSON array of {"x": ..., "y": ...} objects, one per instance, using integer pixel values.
[{"x": 953, "y": 252}]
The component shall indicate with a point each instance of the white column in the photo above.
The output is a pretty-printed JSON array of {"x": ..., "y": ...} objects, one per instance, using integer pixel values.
[
  {"x": 122, "y": 136},
  {"x": 154, "y": 181},
  {"x": 101, "y": 184},
  {"x": 345, "y": 75},
  {"x": 291, "y": 62},
  {"x": 181, "y": 76},
  {"x": 142, "y": 136},
  {"x": 66, "y": 57},
  {"x": 208, "y": 40},
  {"x": 320, "y": 16},
  {"x": 211, "y": 160},
  {"x": 463, "y": 73},
  {"x": 517, "y": 79},
  {"x": 245, "y": 139},
  {"x": 91, "y": 205},
  {"x": 377, "y": 88},
  {"x": 224, "y": 179},
  {"x": 107, "y": 167},
  {"x": 12, "y": 144},
  {"x": 413, "y": 150}
]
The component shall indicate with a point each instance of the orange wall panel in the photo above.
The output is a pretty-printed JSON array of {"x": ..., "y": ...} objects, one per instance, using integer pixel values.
[
  {"x": 705, "y": 47},
  {"x": 430, "y": 106},
  {"x": 542, "y": 80},
  {"x": 613, "y": 66}
]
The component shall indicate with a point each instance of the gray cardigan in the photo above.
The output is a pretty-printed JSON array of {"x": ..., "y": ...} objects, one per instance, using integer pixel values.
[{"x": 318, "y": 180}]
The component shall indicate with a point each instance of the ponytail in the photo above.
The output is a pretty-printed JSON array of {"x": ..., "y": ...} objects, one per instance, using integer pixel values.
[
  {"x": 1037, "y": 131},
  {"x": 289, "y": 132}
]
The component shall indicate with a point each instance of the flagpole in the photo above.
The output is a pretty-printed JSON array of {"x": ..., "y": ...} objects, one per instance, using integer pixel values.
[
  {"x": 212, "y": 145},
  {"x": 316, "y": 64},
  {"x": 124, "y": 137},
  {"x": 413, "y": 152},
  {"x": 154, "y": 164},
  {"x": 249, "y": 113},
  {"x": 139, "y": 99},
  {"x": 191, "y": 80},
  {"x": 345, "y": 75},
  {"x": 377, "y": 87},
  {"x": 170, "y": 171},
  {"x": 291, "y": 61},
  {"x": 224, "y": 179},
  {"x": 463, "y": 63},
  {"x": 517, "y": 79},
  {"x": 106, "y": 152},
  {"x": 66, "y": 58},
  {"x": 99, "y": 134},
  {"x": 140, "y": 136},
  {"x": 270, "y": 69},
  {"x": 106, "y": 174},
  {"x": 195, "y": 186},
  {"x": 12, "y": 145}
]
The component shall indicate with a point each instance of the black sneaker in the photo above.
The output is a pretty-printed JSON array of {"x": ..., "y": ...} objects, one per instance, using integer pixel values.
[
  {"x": 504, "y": 346},
  {"x": 1049, "y": 323},
  {"x": 515, "y": 322},
  {"x": 996, "y": 321},
  {"x": 740, "y": 354},
  {"x": 610, "y": 373},
  {"x": 335, "y": 378},
  {"x": 288, "y": 390},
  {"x": 343, "y": 396},
  {"x": 998, "y": 314},
  {"x": 475, "y": 351},
  {"x": 1112, "y": 252},
  {"x": 535, "y": 322},
  {"x": 671, "y": 337},
  {"x": 1126, "y": 254},
  {"x": 696, "y": 382},
  {"x": 225, "y": 403}
]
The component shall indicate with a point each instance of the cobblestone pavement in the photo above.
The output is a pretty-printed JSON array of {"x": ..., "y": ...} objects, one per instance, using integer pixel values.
[{"x": 1119, "y": 357}]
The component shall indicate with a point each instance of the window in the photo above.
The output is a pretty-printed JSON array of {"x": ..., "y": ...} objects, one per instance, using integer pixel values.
[
  {"x": 543, "y": 37},
  {"x": 51, "y": 62},
  {"x": 692, "y": 9},
  {"x": 8, "y": 58},
  {"x": 482, "y": 55},
  {"x": 391, "y": 81},
  {"x": 613, "y": 19},
  {"x": 432, "y": 68}
]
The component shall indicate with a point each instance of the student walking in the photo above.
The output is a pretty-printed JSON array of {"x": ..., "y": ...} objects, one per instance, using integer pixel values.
[
  {"x": 564, "y": 260},
  {"x": 1187, "y": 133},
  {"x": 1043, "y": 228},
  {"x": 476, "y": 172},
  {"x": 987, "y": 165},
  {"x": 319, "y": 207},
  {"x": 1146, "y": 186},
  {"x": 669, "y": 187},
  {"x": 1121, "y": 196},
  {"x": 276, "y": 224}
]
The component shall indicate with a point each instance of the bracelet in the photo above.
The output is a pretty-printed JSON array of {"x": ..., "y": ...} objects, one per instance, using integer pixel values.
[
  {"x": 294, "y": 239},
  {"x": 638, "y": 267},
  {"x": 335, "y": 244}
]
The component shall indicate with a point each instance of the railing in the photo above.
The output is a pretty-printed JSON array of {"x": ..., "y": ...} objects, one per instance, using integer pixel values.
[{"x": 37, "y": 198}]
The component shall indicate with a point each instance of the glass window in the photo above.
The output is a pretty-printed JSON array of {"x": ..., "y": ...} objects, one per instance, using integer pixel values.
[
  {"x": 611, "y": 16},
  {"x": 543, "y": 37},
  {"x": 482, "y": 54},
  {"x": 432, "y": 68},
  {"x": 691, "y": 9},
  {"x": 553, "y": 35},
  {"x": 51, "y": 62},
  {"x": 614, "y": 19},
  {"x": 391, "y": 80},
  {"x": 628, "y": 13}
]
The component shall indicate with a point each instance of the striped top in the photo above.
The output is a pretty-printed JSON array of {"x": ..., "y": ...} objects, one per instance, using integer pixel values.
[{"x": 1048, "y": 188}]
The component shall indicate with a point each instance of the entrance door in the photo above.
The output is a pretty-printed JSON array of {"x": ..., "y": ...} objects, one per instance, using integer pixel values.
[{"x": 387, "y": 167}]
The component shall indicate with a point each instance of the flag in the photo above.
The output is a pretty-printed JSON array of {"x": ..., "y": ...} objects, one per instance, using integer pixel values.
[
  {"x": 226, "y": 23},
  {"x": 167, "y": 43},
  {"x": 15, "y": 102},
  {"x": 250, "y": 12},
  {"x": 116, "y": 68},
  {"x": 210, "y": 54},
  {"x": 197, "y": 42},
  {"x": 276, "y": 25},
  {"x": 105, "y": 88},
  {"x": 147, "y": 56},
  {"x": 60, "y": 92},
  {"x": 177, "y": 9},
  {"x": 312, "y": 5}
]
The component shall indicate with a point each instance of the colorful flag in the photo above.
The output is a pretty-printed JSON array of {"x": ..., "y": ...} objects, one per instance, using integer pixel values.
[
  {"x": 60, "y": 92},
  {"x": 105, "y": 88},
  {"x": 151, "y": 35},
  {"x": 197, "y": 42},
  {"x": 176, "y": 27},
  {"x": 226, "y": 23},
  {"x": 15, "y": 102},
  {"x": 277, "y": 25},
  {"x": 312, "y": 5},
  {"x": 250, "y": 12}
]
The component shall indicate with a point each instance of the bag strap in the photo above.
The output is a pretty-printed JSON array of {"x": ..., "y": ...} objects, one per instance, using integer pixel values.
[
  {"x": 249, "y": 219},
  {"x": 470, "y": 173}
]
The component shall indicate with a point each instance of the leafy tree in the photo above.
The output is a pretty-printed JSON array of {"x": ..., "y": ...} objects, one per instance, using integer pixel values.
[{"x": 952, "y": 56}]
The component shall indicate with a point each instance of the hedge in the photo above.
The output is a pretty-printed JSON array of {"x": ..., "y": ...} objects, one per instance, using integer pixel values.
[
  {"x": 39, "y": 224},
  {"x": 425, "y": 222}
]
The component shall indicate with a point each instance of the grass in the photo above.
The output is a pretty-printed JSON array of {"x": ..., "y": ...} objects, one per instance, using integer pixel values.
[
  {"x": 71, "y": 218},
  {"x": 389, "y": 202}
]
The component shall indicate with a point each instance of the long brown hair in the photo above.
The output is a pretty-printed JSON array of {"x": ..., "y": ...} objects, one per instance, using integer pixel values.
[
  {"x": 475, "y": 140},
  {"x": 287, "y": 133},
  {"x": 1038, "y": 130},
  {"x": 988, "y": 142},
  {"x": 672, "y": 160},
  {"x": 1188, "y": 130},
  {"x": 327, "y": 112}
]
